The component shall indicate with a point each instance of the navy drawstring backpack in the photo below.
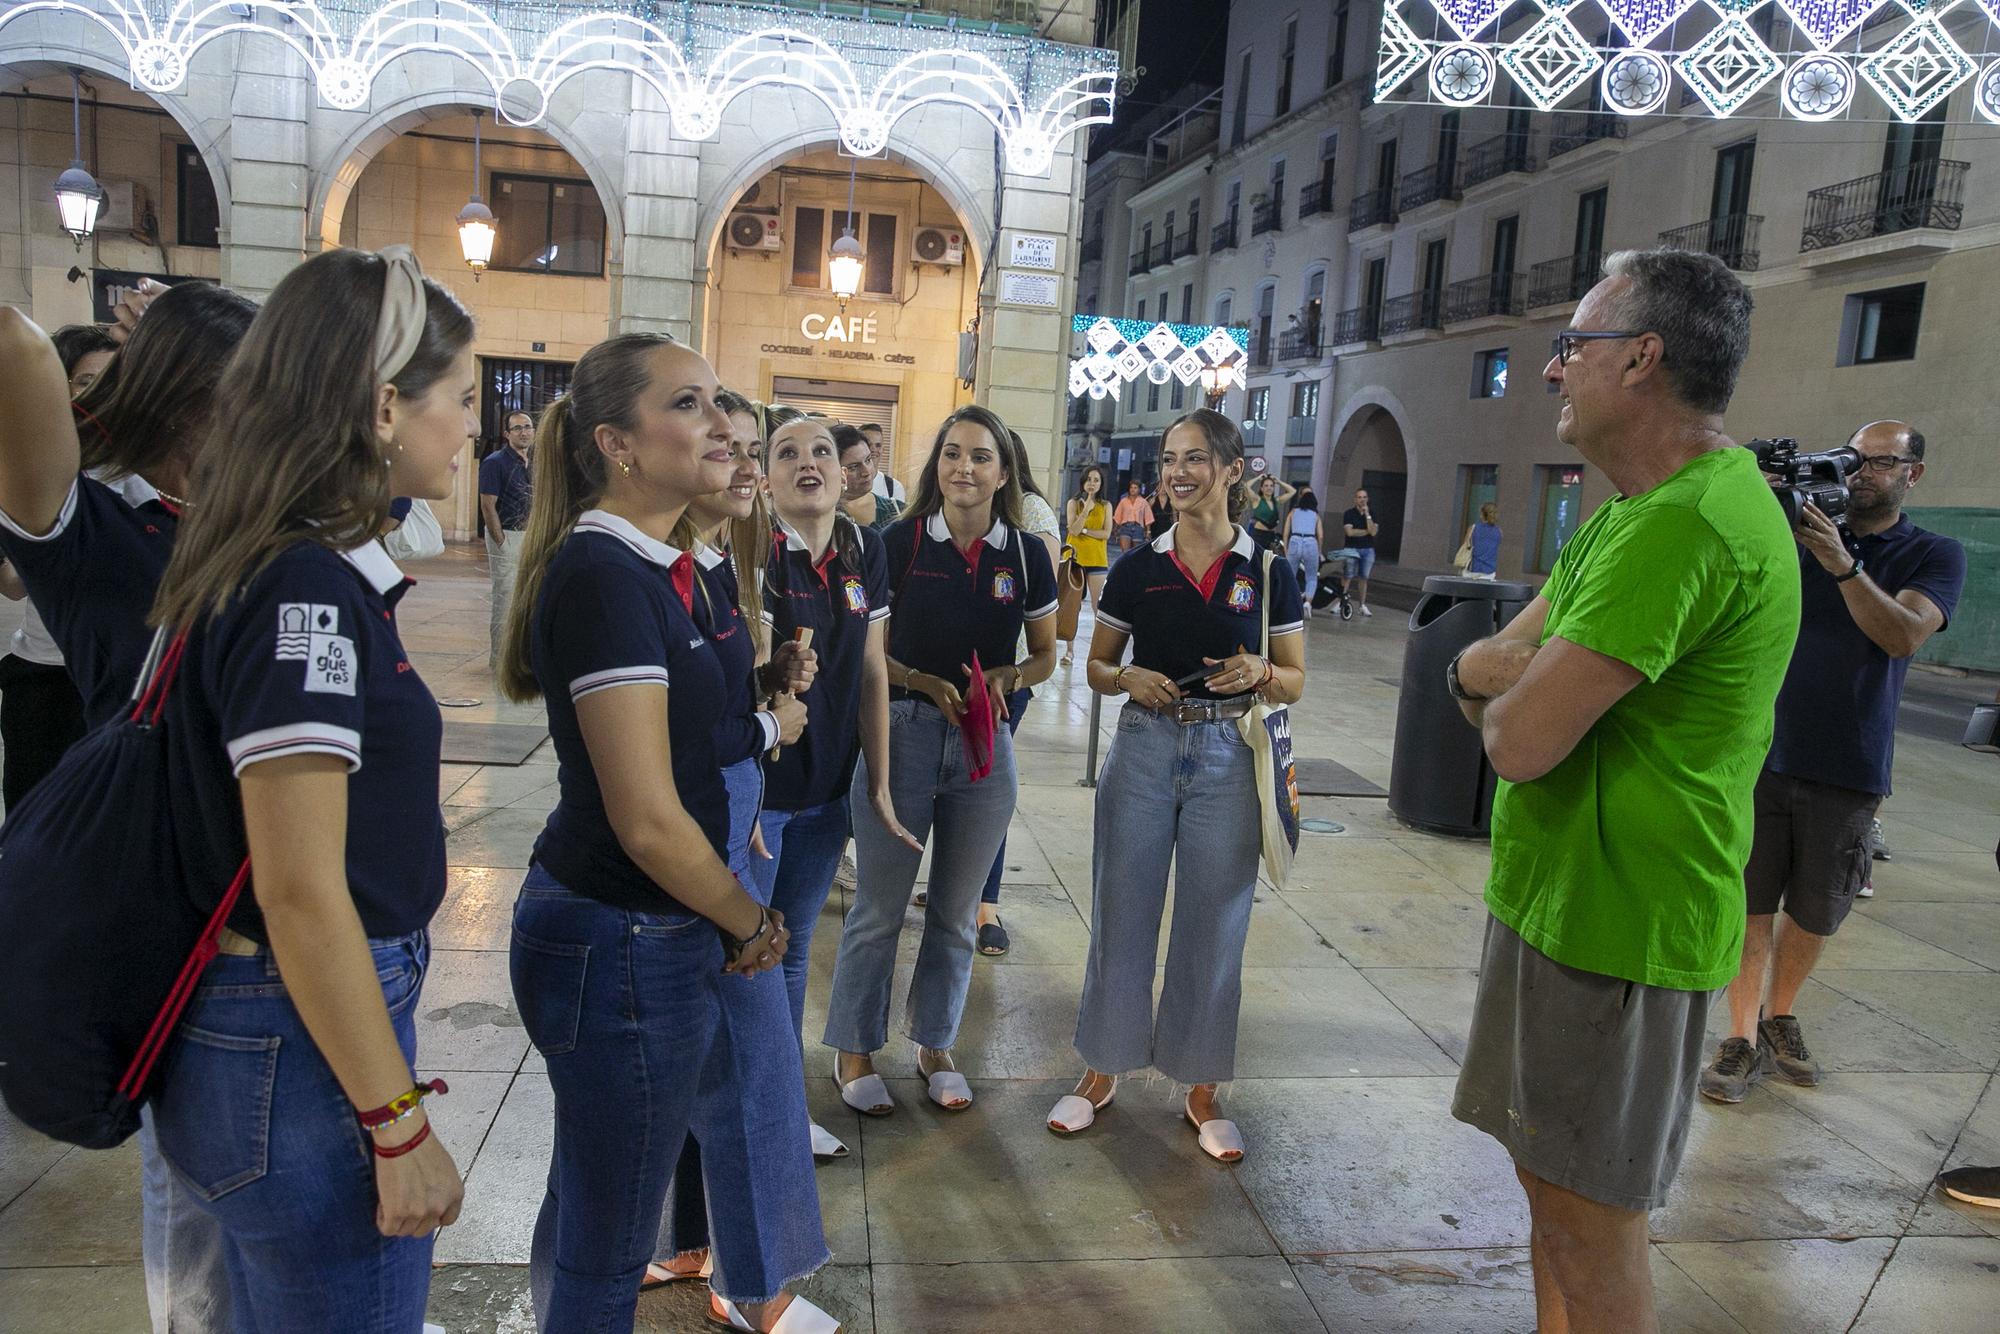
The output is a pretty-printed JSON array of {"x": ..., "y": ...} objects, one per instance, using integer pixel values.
[{"x": 100, "y": 942}]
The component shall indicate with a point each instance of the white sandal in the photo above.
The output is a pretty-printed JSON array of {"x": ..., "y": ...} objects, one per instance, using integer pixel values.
[
  {"x": 659, "y": 1276},
  {"x": 1073, "y": 1112},
  {"x": 825, "y": 1144},
  {"x": 800, "y": 1317},
  {"x": 1219, "y": 1139},
  {"x": 867, "y": 1095},
  {"x": 948, "y": 1089}
]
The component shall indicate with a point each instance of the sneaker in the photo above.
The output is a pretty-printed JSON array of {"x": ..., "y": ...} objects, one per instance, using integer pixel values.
[
  {"x": 1736, "y": 1067},
  {"x": 1867, "y": 890},
  {"x": 1974, "y": 1185},
  {"x": 1365, "y": 611},
  {"x": 1785, "y": 1046},
  {"x": 1877, "y": 848}
]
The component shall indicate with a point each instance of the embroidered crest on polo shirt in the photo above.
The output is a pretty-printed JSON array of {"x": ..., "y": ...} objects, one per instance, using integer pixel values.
[
  {"x": 1242, "y": 594},
  {"x": 857, "y": 595},
  {"x": 1003, "y": 585},
  {"x": 309, "y": 632}
]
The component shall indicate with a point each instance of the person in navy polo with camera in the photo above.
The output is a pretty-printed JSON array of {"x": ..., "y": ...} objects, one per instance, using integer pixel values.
[{"x": 964, "y": 580}]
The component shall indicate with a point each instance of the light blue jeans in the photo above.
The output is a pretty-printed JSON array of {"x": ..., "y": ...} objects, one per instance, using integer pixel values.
[
  {"x": 1303, "y": 553},
  {"x": 187, "y": 1279},
  {"x": 932, "y": 795},
  {"x": 1170, "y": 791}
]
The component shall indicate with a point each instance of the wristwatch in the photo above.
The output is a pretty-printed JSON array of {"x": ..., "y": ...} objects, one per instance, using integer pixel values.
[
  {"x": 1854, "y": 570},
  {"x": 1451, "y": 682}
]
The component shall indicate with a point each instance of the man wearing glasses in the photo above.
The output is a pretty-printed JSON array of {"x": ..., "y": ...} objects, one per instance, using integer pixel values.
[
  {"x": 1864, "y": 616},
  {"x": 1627, "y": 711}
]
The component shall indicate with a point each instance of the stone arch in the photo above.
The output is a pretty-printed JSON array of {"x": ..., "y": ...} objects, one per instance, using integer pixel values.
[{"x": 1374, "y": 427}]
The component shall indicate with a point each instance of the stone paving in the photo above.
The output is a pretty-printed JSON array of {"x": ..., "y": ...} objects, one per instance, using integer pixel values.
[{"x": 1361, "y": 1205}]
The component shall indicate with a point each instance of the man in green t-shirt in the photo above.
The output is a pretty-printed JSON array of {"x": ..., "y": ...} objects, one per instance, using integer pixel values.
[{"x": 1627, "y": 711}]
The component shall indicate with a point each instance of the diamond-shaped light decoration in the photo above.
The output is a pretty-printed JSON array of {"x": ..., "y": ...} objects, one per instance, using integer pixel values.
[
  {"x": 1161, "y": 341},
  {"x": 1129, "y": 363},
  {"x": 1918, "y": 70},
  {"x": 1103, "y": 336},
  {"x": 1827, "y": 22},
  {"x": 1550, "y": 61},
  {"x": 1726, "y": 67},
  {"x": 1187, "y": 367},
  {"x": 1986, "y": 97},
  {"x": 1643, "y": 20},
  {"x": 1099, "y": 366},
  {"x": 1218, "y": 346},
  {"x": 1079, "y": 380},
  {"x": 1401, "y": 54},
  {"x": 1467, "y": 17}
]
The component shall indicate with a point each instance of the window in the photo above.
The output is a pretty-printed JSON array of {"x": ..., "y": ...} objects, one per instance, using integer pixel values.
[
  {"x": 812, "y": 231},
  {"x": 1561, "y": 512},
  {"x": 547, "y": 225},
  {"x": 1590, "y": 228},
  {"x": 1278, "y": 184},
  {"x": 1478, "y": 484},
  {"x": 1489, "y": 373},
  {"x": 1374, "y": 284},
  {"x": 1312, "y": 311},
  {"x": 1187, "y": 303},
  {"x": 1235, "y": 196},
  {"x": 1881, "y": 326},
  {"x": 1194, "y": 223},
  {"x": 1506, "y": 240},
  {"x": 1241, "y": 114},
  {"x": 1287, "y": 55},
  {"x": 1152, "y": 397},
  {"x": 1305, "y": 398},
  {"x": 198, "y": 219},
  {"x": 1167, "y": 241},
  {"x": 1385, "y": 165},
  {"x": 1336, "y": 44},
  {"x": 1142, "y": 309},
  {"x": 1730, "y": 194},
  {"x": 1222, "y": 304},
  {"x": 1178, "y": 396},
  {"x": 878, "y": 276},
  {"x": 1146, "y": 244},
  {"x": 808, "y": 246},
  {"x": 1260, "y": 336},
  {"x": 1163, "y": 306},
  {"x": 1257, "y": 406}
]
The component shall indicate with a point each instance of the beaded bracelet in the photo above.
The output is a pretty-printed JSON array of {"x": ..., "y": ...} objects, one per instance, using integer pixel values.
[
  {"x": 399, "y": 1108},
  {"x": 423, "y": 1133}
]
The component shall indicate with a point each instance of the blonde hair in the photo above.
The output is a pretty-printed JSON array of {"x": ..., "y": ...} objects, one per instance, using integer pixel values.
[{"x": 1489, "y": 513}]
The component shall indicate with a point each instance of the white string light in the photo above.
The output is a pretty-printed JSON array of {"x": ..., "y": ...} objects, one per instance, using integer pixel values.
[
  {"x": 699, "y": 57},
  {"x": 1120, "y": 351}
]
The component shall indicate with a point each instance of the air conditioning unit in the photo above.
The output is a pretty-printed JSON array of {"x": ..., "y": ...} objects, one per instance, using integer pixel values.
[
  {"x": 124, "y": 206},
  {"x": 938, "y": 245},
  {"x": 754, "y": 231}
]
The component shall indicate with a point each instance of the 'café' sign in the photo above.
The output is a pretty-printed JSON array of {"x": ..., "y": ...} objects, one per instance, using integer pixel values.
[{"x": 822, "y": 328}]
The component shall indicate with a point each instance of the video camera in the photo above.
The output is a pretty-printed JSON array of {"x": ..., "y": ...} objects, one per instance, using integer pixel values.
[{"x": 1798, "y": 480}]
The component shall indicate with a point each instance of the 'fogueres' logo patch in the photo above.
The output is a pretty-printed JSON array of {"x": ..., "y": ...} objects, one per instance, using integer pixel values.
[
  {"x": 1003, "y": 585},
  {"x": 1242, "y": 594},
  {"x": 857, "y": 595}
]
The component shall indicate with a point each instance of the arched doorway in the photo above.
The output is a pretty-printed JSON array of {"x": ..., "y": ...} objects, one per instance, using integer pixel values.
[{"x": 1369, "y": 454}]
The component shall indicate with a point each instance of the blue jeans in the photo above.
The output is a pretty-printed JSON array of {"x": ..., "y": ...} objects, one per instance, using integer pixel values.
[
  {"x": 261, "y": 1138},
  {"x": 749, "y": 1137},
  {"x": 928, "y": 783},
  {"x": 805, "y": 848},
  {"x": 1303, "y": 553},
  {"x": 1197, "y": 785},
  {"x": 187, "y": 1271},
  {"x": 1017, "y": 705},
  {"x": 624, "y": 1007}
]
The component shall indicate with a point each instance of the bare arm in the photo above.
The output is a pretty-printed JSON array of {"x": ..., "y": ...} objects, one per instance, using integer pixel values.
[
  {"x": 1897, "y": 624},
  {"x": 1041, "y": 659},
  {"x": 38, "y": 450},
  {"x": 1491, "y": 667},
  {"x": 1566, "y": 688},
  {"x": 875, "y": 729}
]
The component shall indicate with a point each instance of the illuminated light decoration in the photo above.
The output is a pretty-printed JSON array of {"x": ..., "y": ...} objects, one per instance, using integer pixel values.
[
  {"x": 1401, "y": 54},
  {"x": 698, "y": 57},
  {"x": 1918, "y": 69},
  {"x": 475, "y": 221},
  {"x": 1550, "y": 61},
  {"x": 1461, "y": 74},
  {"x": 78, "y": 195},
  {"x": 1468, "y": 17},
  {"x": 1828, "y": 22},
  {"x": 1818, "y": 87},
  {"x": 1726, "y": 67},
  {"x": 1643, "y": 20},
  {"x": 1122, "y": 351},
  {"x": 1635, "y": 83},
  {"x": 1986, "y": 97}
]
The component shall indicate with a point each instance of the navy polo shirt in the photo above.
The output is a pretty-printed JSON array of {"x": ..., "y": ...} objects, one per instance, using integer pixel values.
[
  {"x": 504, "y": 475},
  {"x": 92, "y": 577},
  {"x": 1353, "y": 518},
  {"x": 1836, "y": 715},
  {"x": 741, "y": 730},
  {"x": 950, "y": 604},
  {"x": 608, "y": 616},
  {"x": 307, "y": 660},
  {"x": 818, "y": 590},
  {"x": 1177, "y": 616}
]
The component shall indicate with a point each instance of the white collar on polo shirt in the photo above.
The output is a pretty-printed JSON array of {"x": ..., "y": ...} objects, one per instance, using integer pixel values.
[
  {"x": 795, "y": 542},
  {"x": 707, "y": 556},
  {"x": 374, "y": 565},
  {"x": 133, "y": 489},
  {"x": 940, "y": 531},
  {"x": 1242, "y": 546},
  {"x": 603, "y": 522}
]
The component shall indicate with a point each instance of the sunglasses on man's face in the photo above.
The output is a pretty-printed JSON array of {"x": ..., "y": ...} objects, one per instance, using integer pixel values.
[{"x": 1565, "y": 344}]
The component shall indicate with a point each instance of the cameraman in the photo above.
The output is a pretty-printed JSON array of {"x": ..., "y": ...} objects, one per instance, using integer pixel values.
[{"x": 1828, "y": 770}]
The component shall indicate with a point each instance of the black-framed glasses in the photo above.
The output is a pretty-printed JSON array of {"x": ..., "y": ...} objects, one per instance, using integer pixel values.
[
  {"x": 1887, "y": 463},
  {"x": 1563, "y": 346}
]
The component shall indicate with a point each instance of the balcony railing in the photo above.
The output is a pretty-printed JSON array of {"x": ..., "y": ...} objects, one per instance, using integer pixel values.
[
  {"x": 1253, "y": 435},
  {"x": 1222, "y": 236},
  {"x": 1141, "y": 261},
  {"x": 1163, "y": 252},
  {"x": 1488, "y": 294},
  {"x": 1427, "y": 185},
  {"x": 1299, "y": 431},
  {"x": 1187, "y": 243},
  {"x": 1573, "y": 129},
  {"x": 1298, "y": 345},
  {"x": 1372, "y": 207},
  {"x": 1555, "y": 281},
  {"x": 1922, "y": 194},
  {"x": 1413, "y": 311},
  {"x": 1267, "y": 215},
  {"x": 1731, "y": 239},
  {"x": 1492, "y": 158},
  {"x": 1360, "y": 325},
  {"x": 1092, "y": 251},
  {"x": 1260, "y": 351},
  {"x": 1316, "y": 197}
]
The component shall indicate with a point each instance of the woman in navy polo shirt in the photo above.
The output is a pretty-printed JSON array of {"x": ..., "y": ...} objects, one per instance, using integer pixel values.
[
  {"x": 964, "y": 580},
  {"x": 827, "y": 574},
  {"x": 298, "y": 732},
  {"x": 1191, "y": 605},
  {"x": 617, "y": 969}
]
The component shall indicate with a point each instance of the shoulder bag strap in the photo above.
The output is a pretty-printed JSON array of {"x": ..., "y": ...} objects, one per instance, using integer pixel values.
[{"x": 1265, "y": 651}]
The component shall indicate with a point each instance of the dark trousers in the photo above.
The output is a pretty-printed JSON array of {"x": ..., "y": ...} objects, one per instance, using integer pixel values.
[{"x": 41, "y": 716}]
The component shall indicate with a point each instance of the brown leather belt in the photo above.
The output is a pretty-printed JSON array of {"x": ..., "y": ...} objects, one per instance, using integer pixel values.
[{"x": 1187, "y": 711}]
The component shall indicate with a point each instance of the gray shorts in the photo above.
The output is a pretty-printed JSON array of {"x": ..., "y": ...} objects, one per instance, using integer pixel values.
[
  {"x": 1586, "y": 1079},
  {"x": 1810, "y": 852}
]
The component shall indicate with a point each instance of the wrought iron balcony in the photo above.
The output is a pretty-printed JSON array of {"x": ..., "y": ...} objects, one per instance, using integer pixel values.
[
  {"x": 1253, "y": 435},
  {"x": 1731, "y": 239},
  {"x": 1091, "y": 251},
  {"x": 1427, "y": 185},
  {"x": 1555, "y": 281},
  {"x": 1372, "y": 208},
  {"x": 1266, "y": 215},
  {"x": 1922, "y": 194},
  {"x": 1222, "y": 236},
  {"x": 1163, "y": 252},
  {"x": 1573, "y": 129},
  {"x": 1141, "y": 261},
  {"x": 1260, "y": 349},
  {"x": 1361, "y": 325},
  {"x": 1493, "y": 158},
  {"x": 1413, "y": 311},
  {"x": 1488, "y": 294},
  {"x": 1299, "y": 431},
  {"x": 1298, "y": 345},
  {"x": 1316, "y": 197},
  {"x": 1187, "y": 243}
]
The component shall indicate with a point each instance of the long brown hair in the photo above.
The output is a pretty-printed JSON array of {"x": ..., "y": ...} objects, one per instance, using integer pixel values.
[
  {"x": 1006, "y": 501},
  {"x": 1224, "y": 441},
  {"x": 570, "y": 477},
  {"x": 292, "y": 451},
  {"x": 153, "y": 400}
]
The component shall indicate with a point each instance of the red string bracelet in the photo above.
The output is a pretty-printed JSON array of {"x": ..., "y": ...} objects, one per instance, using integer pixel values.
[
  {"x": 398, "y": 1108},
  {"x": 423, "y": 1133}
]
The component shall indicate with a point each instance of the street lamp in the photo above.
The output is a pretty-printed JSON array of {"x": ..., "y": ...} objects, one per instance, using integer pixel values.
[
  {"x": 78, "y": 195},
  {"x": 1214, "y": 383},
  {"x": 845, "y": 258},
  {"x": 475, "y": 220}
]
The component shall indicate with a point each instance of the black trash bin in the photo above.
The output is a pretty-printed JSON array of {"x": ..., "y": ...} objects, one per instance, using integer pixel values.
[{"x": 1439, "y": 778}]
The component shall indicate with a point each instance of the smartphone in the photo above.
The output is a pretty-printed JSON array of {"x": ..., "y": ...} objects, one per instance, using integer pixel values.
[{"x": 1195, "y": 678}]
